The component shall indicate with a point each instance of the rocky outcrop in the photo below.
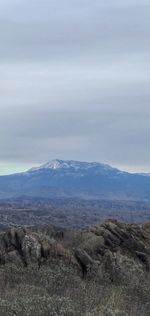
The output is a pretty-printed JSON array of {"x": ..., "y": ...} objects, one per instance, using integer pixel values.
[
  {"x": 118, "y": 250},
  {"x": 25, "y": 247},
  {"x": 113, "y": 251}
]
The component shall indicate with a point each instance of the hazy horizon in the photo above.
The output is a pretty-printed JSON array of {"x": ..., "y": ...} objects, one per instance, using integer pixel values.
[{"x": 74, "y": 83}]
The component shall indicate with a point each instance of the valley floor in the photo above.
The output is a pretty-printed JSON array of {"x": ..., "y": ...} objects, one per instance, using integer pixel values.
[{"x": 70, "y": 213}]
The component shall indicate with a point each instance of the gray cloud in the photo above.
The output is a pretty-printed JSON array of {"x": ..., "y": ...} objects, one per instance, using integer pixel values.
[{"x": 74, "y": 82}]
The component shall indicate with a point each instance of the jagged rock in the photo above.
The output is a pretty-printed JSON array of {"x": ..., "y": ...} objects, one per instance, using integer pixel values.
[
  {"x": 20, "y": 245},
  {"x": 26, "y": 247},
  {"x": 84, "y": 260},
  {"x": 114, "y": 250},
  {"x": 144, "y": 258},
  {"x": 31, "y": 249},
  {"x": 121, "y": 249}
]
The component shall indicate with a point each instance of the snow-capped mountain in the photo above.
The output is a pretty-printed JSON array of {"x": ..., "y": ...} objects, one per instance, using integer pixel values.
[
  {"x": 73, "y": 165},
  {"x": 61, "y": 178}
]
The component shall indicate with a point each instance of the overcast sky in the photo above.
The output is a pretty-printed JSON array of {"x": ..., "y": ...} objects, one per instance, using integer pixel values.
[{"x": 74, "y": 82}]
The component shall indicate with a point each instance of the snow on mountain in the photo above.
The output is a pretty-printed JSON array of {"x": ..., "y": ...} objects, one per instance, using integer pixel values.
[
  {"x": 73, "y": 165},
  {"x": 68, "y": 178}
]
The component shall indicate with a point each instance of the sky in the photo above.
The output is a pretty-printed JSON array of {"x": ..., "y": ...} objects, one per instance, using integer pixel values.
[{"x": 74, "y": 83}]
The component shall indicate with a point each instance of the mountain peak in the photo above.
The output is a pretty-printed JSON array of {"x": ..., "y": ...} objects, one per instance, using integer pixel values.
[
  {"x": 54, "y": 164},
  {"x": 71, "y": 164}
]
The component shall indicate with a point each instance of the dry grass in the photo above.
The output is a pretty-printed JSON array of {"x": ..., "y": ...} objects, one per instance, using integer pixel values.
[{"x": 55, "y": 289}]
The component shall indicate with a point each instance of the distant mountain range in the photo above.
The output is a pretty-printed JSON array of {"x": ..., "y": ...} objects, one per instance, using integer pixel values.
[{"x": 74, "y": 179}]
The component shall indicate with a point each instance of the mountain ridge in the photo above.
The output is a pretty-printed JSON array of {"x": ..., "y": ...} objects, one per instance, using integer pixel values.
[
  {"x": 72, "y": 164},
  {"x": 70, "y": 178}
]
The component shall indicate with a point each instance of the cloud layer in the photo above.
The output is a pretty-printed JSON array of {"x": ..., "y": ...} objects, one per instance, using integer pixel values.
[{"x": 74, "y": 82}]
